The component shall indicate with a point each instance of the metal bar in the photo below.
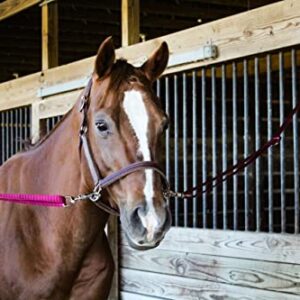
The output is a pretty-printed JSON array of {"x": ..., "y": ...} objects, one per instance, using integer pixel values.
[
  {"x": 167, "y": 142},
  {"x": 176, "y": 140},
  {"x": 202, "y": 53},
  {"x": 257, "y": 144},
  {"x": 16, "y": 133},
  {"x": 235, "y": 145},
  {"x": 195, "y": 147},
  {"x": 7, "y": 135},
  {"x": 214, "y": 144},
  {"x": 295, "y": 141},
  {"x": 224, "y": 144},
  {"x": 158, "y": 88},
  {"x": 203, "y": 137},
  {"x": 282, "y": 143},
  {"x": 246, "y": 143},
  {"x": 2, "y": 137},
  {"x": 12, "y": 150},
  {"x": 185, "y": 154},
  {"x": 270, "y": 151}
]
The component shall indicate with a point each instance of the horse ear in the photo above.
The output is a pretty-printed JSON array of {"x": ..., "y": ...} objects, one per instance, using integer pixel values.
[
  {"x": 157, "y": 63},
  {"x": 105, "y": 57}
]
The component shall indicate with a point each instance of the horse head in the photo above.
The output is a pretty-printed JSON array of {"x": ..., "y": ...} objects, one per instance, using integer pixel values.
[{"x": 126, "y": 123}]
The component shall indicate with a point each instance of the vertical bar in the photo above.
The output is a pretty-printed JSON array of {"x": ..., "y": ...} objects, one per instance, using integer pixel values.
[
  {"x": 235, "y": 145},
  {"x": 176, "y": 147},
  {"x": 282, "y": 143},
  {"x": 20, "y": 128},
  {"x": 224, "y": 144},
  {"x": 195, "y": 144},
  {"x": 185, "y": 154},
  {"x": 167, "y": 99},
  {"x": 295, "y": 141},
  {"x": 270, "y": 150},
  {"x": 203, "y": 137},
  {"x": 7, "y": 134},
  {"x": 11, "y": 129},
  {"x": 27, "y": 112},
  {"x": 246, "y": 143},
  {"x": 16, "y": 124},
  {"x": 2, "y": 137},
  {"x": 257, "y": 144},
  {"x": 214, "y": 144},
  {"x": 158, "y": 88}
]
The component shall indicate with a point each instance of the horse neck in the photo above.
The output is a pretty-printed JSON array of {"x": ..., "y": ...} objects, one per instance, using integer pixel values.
[
  {"x": 66, "y": 173},
  {"x": 64, "y": 167}
]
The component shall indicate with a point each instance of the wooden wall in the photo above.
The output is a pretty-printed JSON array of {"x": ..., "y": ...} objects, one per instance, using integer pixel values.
[{"x": 213, "y": 264}]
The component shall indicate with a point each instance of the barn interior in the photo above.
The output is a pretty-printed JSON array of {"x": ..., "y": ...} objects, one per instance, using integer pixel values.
[{"x": 82, "y": 25}]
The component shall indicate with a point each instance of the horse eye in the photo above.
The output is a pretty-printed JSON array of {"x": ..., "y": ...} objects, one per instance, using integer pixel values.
[{"x": 102, "y": 126}]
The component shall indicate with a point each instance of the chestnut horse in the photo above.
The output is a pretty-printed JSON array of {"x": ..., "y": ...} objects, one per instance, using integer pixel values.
[{"x": 63, "y": 253}]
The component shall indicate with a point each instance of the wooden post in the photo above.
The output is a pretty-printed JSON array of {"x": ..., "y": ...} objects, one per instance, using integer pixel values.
[
  {"x": 130, "y": 22},
  {"x": 130, "y": 35},
  {"x": 49, "y": 35},
  {"x": 49, "y": 59}
]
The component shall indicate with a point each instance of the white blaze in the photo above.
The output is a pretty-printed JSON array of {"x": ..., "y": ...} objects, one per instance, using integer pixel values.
[{"x": 135, "y": 109}]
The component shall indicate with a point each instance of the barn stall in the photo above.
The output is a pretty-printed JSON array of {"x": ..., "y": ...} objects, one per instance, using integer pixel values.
[{"x": 229, "y": 85}]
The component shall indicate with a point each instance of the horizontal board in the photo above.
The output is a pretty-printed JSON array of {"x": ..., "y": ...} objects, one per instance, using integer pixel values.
[
  {"x": 176, "y": 287},
  {"x": 257, "y": 274},
  {"x": 58, "y": 105},
  {"x": 238, "y": 244},
  {"x": 131, "y": 296}
]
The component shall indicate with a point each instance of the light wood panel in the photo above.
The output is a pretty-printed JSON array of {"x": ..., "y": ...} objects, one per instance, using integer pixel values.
[
  {"x": 176, "y": 287},
  {"x": 241, "y": 272},
  {"x": 9, "y": 8},
  {"x": 236, "y": 244},
  {"x": 58, "y": 105}
]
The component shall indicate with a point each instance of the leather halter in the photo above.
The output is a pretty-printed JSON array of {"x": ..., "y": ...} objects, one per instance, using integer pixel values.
[{"x": 101, "y": 183}]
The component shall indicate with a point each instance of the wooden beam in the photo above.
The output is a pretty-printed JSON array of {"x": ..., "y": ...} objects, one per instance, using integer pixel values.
[
  {"x": 163, "y": 286},
  {"x": 49, "y": 35},
  {"x": 273, "y": 276},
  {"x": 9, "y": 8},
  {"x": 130, "y": 22},
  {"x": 235, "y": 244}
]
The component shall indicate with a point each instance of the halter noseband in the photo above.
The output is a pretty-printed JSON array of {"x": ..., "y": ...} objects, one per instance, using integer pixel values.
[{"x": 102, "y": 183}]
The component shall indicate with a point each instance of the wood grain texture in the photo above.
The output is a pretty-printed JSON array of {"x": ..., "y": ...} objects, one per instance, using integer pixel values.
[
  {"x": 130, "y": 22},
  {"x": 176, "y": 287},
  {"x": 131, "y": 296},
  {"x": 237, "y": 244},
  {"x": 9, "y": 8},
  {"x": 241, "y": 272},
  {"x": 58, "y": 104}
]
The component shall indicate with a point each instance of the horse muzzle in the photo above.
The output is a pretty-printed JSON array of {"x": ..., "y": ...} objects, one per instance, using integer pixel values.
[{"x": 145, "y": 229}]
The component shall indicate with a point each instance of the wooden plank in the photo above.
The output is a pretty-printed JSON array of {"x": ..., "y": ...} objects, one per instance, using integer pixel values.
[
  {"x": 9, "y": 8},
  {"x": 242, "y": 272},
  {"x": 130, "y": 22},
  {"x": 19, "y": 92},
  {"x": 57, "y": 105},
  {"x": 176, "y": 287},
  {"x": 251, "y": 245},
  {"x": 131, "y": 296}
]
